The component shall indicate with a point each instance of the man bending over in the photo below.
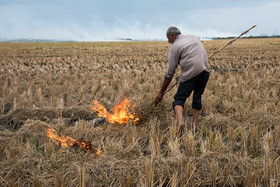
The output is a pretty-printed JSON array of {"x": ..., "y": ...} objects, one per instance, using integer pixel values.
[{"x": 188, "y": 52}]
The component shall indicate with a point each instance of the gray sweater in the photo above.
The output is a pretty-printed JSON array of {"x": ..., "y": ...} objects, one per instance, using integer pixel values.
[{"x": 188, "y": 51}]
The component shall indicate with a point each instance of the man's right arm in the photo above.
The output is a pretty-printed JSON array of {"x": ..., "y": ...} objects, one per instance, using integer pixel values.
[
  {"x": 173, "y": 61},
  {"x": 164, "y": 86}
]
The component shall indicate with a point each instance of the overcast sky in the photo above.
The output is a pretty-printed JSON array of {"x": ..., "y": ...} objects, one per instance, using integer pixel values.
[{"x": 98, "y": 20}]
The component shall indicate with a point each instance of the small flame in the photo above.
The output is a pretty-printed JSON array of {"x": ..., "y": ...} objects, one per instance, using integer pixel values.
[
  {"x": 70, "y": 142},
  {"x": 120, "y": 114},
  {"x": 98, "y": 152}
]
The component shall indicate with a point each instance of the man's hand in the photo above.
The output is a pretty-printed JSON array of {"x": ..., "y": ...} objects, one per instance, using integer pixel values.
[
  {"x": 160, "y": 94},
  {"x": 158, "y": 97}
]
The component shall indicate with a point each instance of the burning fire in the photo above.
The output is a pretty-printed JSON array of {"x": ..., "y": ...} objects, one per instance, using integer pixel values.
[
  {"x": 70, "y": 142},
  {"x": 120, "y": 114}
]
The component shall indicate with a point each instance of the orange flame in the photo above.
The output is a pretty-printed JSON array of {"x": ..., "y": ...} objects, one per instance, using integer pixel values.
[
  {"x": 120, "y": 114},
  {"x": 70, "y": 142}
]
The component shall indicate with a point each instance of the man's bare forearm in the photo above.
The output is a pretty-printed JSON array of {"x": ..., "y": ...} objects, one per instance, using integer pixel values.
[{"x": 165, "y": 84}]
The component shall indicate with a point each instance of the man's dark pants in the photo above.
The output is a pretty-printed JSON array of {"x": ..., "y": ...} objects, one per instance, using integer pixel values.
[{"x": 197, "y": 85}]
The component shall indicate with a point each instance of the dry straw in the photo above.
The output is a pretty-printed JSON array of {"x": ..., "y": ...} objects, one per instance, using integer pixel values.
[{"x": 237, "y": 144}]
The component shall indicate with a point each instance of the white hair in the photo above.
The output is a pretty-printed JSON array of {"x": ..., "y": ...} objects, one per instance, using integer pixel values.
[{"x": 173, "y": 30}]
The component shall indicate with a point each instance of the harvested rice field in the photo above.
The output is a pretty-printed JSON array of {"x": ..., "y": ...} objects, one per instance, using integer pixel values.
[{"x": 54, "y": 133}]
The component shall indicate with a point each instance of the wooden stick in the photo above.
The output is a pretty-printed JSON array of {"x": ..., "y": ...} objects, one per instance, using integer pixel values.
[
  {"x": 230, "y": 42},
  {"x": 170, "y": 88}
]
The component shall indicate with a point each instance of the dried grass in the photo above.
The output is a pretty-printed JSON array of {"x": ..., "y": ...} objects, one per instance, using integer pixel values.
[{"x": 237, "y": 144}]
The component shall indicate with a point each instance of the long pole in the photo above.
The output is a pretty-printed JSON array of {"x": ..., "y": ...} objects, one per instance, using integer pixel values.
[{"x": 215, "y": 52}]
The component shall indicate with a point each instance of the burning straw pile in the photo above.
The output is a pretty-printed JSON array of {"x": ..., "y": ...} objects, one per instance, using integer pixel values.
[{"x": 71, "y": 143}]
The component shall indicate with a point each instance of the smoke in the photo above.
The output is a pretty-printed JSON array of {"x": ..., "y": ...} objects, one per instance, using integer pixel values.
[{"x": 105, "y": 23}]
